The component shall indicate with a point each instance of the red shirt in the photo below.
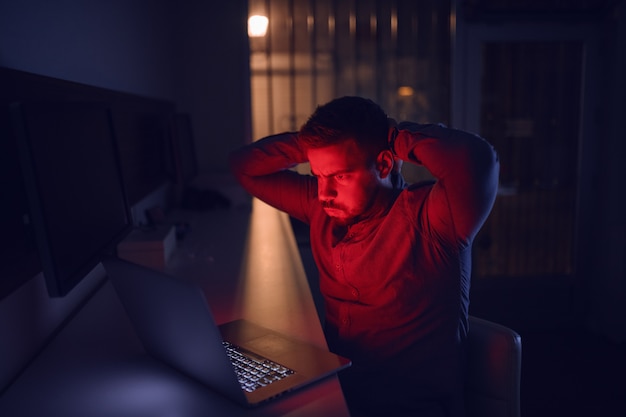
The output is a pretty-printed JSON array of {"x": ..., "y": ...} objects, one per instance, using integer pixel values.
[{"x": 396, "y": 287}]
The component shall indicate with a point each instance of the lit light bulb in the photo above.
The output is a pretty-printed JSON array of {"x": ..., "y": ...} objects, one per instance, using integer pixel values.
[
  {"x": 405, "y": 91},
  {"x": 257, "y": 26}
]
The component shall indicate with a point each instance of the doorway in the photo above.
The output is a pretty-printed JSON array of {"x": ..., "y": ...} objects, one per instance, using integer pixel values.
[{"x": 524, "y": 86}]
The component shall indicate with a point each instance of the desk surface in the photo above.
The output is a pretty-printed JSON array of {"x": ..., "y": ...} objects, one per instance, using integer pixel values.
[{"x": 248, "y": 265}]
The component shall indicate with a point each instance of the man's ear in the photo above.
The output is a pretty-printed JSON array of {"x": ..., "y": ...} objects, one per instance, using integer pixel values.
[{"x": 385, "y": 163}]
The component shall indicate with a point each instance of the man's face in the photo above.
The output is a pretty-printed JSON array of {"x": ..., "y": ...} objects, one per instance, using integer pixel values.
[{"x": 347, "y": 180}]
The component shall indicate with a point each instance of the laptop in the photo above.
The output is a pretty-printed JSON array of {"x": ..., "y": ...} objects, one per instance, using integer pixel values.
[{"x": 174, "y": 323}]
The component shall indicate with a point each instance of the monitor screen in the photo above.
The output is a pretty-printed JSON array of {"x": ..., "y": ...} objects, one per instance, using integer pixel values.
[
  {"x": 74, "y": 187},
  {"x": 19, "y": 260},
  {"x": 184, "y": 148},
  {"x": 143, "y": 139}
]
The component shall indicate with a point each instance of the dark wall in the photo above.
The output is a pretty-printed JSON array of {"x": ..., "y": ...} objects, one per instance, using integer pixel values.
[{"x": 192, "y": 53}]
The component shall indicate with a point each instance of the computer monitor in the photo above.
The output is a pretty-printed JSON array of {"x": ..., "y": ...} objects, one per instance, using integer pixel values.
[
  {"x": 19, "y": 260},
  {"x": 184, "y": 148},
  {"x": 74, "y": 188},
  {"x": 144, "y": 150}
]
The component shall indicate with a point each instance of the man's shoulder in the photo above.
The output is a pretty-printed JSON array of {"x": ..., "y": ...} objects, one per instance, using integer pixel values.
[
  {"x": 420, "y": 185},
  {"x": 417, "y": 189},
  {"x": 414, "y": 194}
]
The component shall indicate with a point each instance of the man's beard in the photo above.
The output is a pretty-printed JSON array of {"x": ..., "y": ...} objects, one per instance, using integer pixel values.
[{"x": 338, "y": 213}]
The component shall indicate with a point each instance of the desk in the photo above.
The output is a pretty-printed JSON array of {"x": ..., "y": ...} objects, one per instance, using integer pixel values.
[{"x": 248, "y": 265}]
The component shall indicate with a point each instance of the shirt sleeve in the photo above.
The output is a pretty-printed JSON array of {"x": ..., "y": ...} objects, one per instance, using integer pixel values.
[
  {"x": 264, "y": 169},
  {"x": 466, "y": 169}
]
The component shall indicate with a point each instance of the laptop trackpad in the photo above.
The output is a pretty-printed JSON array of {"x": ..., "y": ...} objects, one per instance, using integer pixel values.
[{"x": 271, "y": 345}]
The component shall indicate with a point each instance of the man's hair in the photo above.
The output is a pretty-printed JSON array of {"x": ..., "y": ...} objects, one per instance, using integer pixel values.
[{"x": 347, "y": 118}]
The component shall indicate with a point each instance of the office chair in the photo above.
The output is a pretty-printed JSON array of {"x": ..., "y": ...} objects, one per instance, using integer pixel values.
[{"x": 494, "y": 360}]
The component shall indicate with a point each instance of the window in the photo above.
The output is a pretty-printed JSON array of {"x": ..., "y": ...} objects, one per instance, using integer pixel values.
[{"x": 396, "y": 53}]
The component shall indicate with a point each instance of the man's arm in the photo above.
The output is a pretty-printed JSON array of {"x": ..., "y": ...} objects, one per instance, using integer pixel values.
[
  {"x": 263, "y": 168},
  {"x": 466, "y": 168}
]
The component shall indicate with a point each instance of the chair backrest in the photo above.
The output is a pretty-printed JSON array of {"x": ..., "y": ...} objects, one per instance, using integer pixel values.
[{"x": 494, "y": 360}]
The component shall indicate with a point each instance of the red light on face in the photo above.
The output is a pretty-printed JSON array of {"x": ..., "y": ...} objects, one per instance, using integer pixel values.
[{"x": 347, "y": 180}]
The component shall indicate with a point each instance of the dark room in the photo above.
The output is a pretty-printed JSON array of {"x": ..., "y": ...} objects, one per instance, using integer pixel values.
[{"x": 313, "y": 208}]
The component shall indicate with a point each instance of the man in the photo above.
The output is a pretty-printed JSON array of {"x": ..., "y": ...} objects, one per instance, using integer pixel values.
[{"x": 394, "y": 260}]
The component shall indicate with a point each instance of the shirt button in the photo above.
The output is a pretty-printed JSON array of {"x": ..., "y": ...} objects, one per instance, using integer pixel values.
[
  {"x": 345, "y": 321},
  {"x": 355, "y": 293},
  {"x": 337, "y": 266}
]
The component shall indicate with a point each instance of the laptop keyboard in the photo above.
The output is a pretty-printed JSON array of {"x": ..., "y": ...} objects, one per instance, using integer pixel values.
[{"x": 254, "y": 372}]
